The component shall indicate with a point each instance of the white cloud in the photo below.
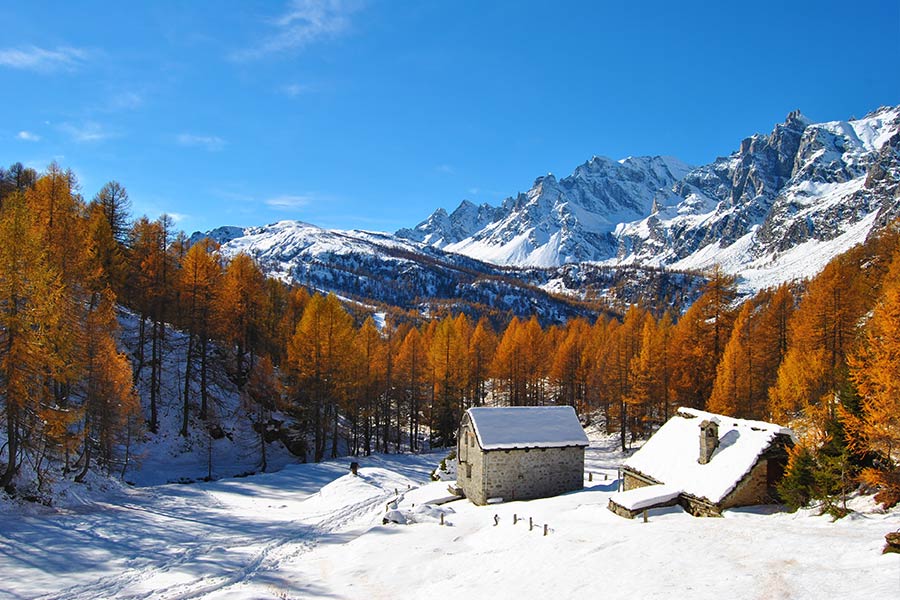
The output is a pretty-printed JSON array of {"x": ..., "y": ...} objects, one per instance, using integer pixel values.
[
  {"x": 28, "y": 136},
  {"x": 213, "y": 143},
  {"x": 305, "y": 22},
  {"x": 33, "y": 58},
  {"x": 126, "y": 100},
  {"x": 448, "y": 169},
  {"x": 178, "y": 217},
  {"x": 297, "y": 89},
  {"x": 289, "y": 202},
  {"x": 89, "y": 131}
]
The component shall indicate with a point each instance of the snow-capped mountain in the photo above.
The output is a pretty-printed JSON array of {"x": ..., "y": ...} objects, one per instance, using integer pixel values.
[
  {"x": 778, "y": 208},
  {"x": 781, "y": 206},
  {"x": 441, "y": 229},
  {"x": 557, "y": 221},
  {"x": 380, "y": 269}
]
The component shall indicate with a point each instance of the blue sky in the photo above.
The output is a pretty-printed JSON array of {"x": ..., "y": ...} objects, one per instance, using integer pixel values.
[{"x": 372, "y": 113}]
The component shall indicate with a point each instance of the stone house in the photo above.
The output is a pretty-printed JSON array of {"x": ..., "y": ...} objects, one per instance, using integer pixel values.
[
  {"x": 705, "y": 463},
  {"x": 520, "y": 453}
]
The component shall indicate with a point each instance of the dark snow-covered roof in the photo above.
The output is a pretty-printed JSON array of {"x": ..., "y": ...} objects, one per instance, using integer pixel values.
[
  {"x": 527, "y": 427},
  {"x": 670, "y": 456}
]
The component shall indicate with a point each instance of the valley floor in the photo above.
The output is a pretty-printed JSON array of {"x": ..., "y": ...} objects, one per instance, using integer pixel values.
[{"x": 315, "y": 531}]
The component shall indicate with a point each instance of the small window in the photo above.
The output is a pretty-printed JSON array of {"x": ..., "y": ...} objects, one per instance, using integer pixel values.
[{"x": 468, "y": 470}]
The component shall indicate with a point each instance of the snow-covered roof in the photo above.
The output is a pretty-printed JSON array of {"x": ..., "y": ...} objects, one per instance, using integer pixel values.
[
  {"x": 670, "y": 456},
  {"x": 645, "y": 497},
  {"x": 527, "y": 427}
]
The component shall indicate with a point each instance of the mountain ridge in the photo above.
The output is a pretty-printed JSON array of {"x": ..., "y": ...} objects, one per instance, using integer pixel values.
[
  {"x": 776, "y": 209},
  {"x": 803, "y": 181}
]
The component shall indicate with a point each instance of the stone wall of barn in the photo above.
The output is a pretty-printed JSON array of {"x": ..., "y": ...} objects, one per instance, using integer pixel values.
[
  {"x": 752, "y": 489},
  {"x": 470, "y": 474},
  {"x": 523, "y": 474},
  {"x": 519, "y": 474},
  {"x": 631, "y": 480}
]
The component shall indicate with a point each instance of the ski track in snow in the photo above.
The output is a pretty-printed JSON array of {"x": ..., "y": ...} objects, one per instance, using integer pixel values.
[
  {"x": 214, "y": 546},
  {"x": 314, "y": 531}
]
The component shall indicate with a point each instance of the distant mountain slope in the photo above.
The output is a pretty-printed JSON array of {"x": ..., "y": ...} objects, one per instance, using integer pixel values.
[
  {"x": 557, "y": 221},
  {"x": 776, "y": 209},
  {"x": 781, "y": 206},
  {"x": 379, "y": 269}
]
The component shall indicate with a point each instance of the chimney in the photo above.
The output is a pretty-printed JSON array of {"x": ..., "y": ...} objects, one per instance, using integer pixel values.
[{"x": 709, "y": 440}]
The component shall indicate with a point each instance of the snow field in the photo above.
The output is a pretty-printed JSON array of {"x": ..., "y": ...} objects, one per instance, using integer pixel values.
[{"x": 313, "y": 530}]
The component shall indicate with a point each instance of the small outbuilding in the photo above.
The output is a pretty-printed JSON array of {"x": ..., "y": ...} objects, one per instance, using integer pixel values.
[
  {"x": 706, "y": 463},
  {"x": 520, "y": 453}
]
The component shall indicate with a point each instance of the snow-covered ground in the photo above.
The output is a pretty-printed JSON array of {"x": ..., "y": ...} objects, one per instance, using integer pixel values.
[{"x": 313, "y": 530}]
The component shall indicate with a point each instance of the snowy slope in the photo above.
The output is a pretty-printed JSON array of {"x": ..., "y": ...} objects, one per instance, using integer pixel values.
[
  {"x": 313, "y": 530},
  {"x": 556, "y": 221},
  {"x": 167, "y": 456},
  {"x": 373, "y": 268},
  {"x": 781, "y": 206}
]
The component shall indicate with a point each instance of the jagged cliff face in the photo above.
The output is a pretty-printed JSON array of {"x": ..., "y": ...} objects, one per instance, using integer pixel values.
[
  {"x": 441, "y": 229},
  {"x": 778, "y": 208},
  {"x": 781, "y": 206},
  {"x": 556, "y": 221}
]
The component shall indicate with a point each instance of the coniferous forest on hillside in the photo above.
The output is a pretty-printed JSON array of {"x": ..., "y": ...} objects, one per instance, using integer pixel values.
[{"x": 822, "y": 356}]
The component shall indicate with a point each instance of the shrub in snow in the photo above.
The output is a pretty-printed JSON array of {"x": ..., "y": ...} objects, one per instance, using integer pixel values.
[{"x": 446, "y": 471}]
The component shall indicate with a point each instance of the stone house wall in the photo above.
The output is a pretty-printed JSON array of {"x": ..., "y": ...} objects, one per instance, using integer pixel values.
[
  {"x": 632, "y": 480},
  {"x": 523, "y": 474},
  {"x": 750, "y": 490},
  {"x": 470, "y": 473},
  {"x": 516, "y": 474}
]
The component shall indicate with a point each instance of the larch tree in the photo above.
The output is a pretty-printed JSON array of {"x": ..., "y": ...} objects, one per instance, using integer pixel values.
[
  {"x": 447, "y": 356},
  {"x": 318, "y": 354},
  {"x": 875, "y": 369},
  {"x": 109, "y": 399},
  {"x": 260, "y": 397},
  {"x": 569, "y": 367},
  {"x": 482, "y": 347},
  {"x": 699, "y": 338},
  {"x": 114, "y": 204},
  {"x": 412, "y": 377},
  {"x": 29, "y": 288},
  {"x": 626, "y": 349},
  {"x": 239, "y": 311},
  {"x": 369, "y": 373},
  {"x": 648, "y": 378},
  {"x": 201, "y": 275},
  {"x": 735, "y": 388},
  {"x": 822, "y": 333},
  {"x": 508, "y": 367}
]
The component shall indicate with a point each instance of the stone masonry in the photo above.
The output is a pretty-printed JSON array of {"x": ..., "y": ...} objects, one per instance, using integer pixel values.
[{"x": 516, "y": 474}]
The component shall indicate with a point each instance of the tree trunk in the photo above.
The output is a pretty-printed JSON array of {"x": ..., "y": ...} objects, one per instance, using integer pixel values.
[
  {"x": 12, "y": 446},
  {"x": 87, "y": 456},
  {"x": 204, "y": 383},
  {"x": 154, "y": 360},
  {"x": 187, "y": 386}
]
